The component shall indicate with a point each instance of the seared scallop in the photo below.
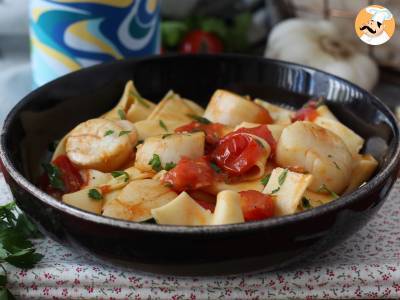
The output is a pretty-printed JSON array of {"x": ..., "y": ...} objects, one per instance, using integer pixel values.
[
  {"x": 101, "y": 144},
  {"x": 318, "y": 151}
]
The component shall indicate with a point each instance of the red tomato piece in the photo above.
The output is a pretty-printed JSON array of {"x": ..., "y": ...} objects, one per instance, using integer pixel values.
[
  {"x": 263, "y": 132},
  {"x": 307, "y": 113},
  {"x": 69, "y": 174},
  {"x": 207, "y": 201},
  {"x": 213, "y": 131},
  {"x": 199, "y": 41},
  {"x": 190, "y": 174},
  {"x": 237, "y": 153},
  {"x": 263, "y": 116},
  {"x": 256, "y": 205}
]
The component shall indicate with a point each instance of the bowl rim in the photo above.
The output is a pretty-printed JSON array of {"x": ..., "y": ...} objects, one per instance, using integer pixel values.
[{"x": 363, "y": 191}]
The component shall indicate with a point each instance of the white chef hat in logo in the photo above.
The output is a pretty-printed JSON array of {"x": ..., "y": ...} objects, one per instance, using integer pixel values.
[{"x": 379, "y": 14}]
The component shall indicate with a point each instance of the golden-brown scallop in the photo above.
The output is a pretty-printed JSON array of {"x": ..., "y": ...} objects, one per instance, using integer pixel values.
[
  {"x": 319, "y": 152},
  {"x": 231, "y": 109},
  {"x": 100, "y": 144}
]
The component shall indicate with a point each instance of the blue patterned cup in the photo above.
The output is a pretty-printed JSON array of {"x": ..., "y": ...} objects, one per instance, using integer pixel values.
[{"x": 67, "y": 35}]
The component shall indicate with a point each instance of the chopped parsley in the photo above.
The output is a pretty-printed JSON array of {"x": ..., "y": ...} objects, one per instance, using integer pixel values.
[
  {"x": 109, "y": 132},
  {"x": 54, "y": 175},
  {"x": 169, "y": 166},
  {"x": 163, "y": 126},
  {"x": 95, "y": 194},
  {"x": 140, "y": 99},
  {"x": 324, "y": 189},
  {"x": 260, "y": 143},
  {"x": 305, "y": 203},
  {"x": 281, "y": 180},
  {"x": 265, "y": 180},
  {"x": 166, "y": 135},
  {"x": 124, "y": 132},
  {"x": 155, "y": 163},
  {"x": 121, "y": 114},
  {"x": 336, "y": 165},
  {"x": 117, "y": 174},
  {"x": 215, "y": 167},
  {"x": 199, "y": 119}
]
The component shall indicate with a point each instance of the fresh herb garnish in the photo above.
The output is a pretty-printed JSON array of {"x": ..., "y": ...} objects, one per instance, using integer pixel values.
[
  {"x": 324, "y": 189},
  {"x": 260, "y": 143},
  {"x": 15, "y": 247},
  {"x": 265, "y": 180},
  {"x": 124, "y": 132},
  {"x": 155, "y": 163},
  {"x": 139, "y": 99},
  {"x": 166, "y": 135},
  {"x": 95, "y": 194},
  {"x": 163, "y": 126},
  {"x": 282, "y": 177},
  {"x": 215, "y": 167},
  {"x": 117, "y": 174},
  {"x": 276, "y": 190},
  {"x": 121, "y": 114},
  {"x": 169, "y": 166},
  {"x": 54, "y": 175},
  {"x": 108, "y": 132},
  {"x": 336, "y": 165},
  {"x": 199, "y": 119},
  {"x": 305, "y": 203}
]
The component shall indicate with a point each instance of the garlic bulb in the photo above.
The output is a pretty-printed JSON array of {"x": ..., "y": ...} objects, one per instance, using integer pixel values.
[{"x": 319, "y": 44}]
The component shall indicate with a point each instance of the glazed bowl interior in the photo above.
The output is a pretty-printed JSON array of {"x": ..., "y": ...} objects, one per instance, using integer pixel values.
[{"x": 49, "y": 112}]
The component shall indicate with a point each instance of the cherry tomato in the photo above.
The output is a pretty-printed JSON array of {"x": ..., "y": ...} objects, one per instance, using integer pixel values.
[
  {"x": 263, "y": 132},
  {"x": 190, "y": 174},
  {"x": 256, "y": 205},
  {"x": 213, "y": 131},
  {"x": 237, "y": 153},
  {"x": 69, "y": 174},
  {"x": 305, "y": 114},
  {"x": 204, "y": 199},
  {"x": 199, "y": 41}
]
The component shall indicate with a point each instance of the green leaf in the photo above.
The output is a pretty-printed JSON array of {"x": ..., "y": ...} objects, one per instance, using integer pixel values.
[
  {"x": 3, "y": 280},
  {"x": 95, "y": 194},
  {"x": 26, "y": 228},
  {"x": 54, "y": 175},
  {"x": 282, "y": 177},
  {"x": 121, "y": 114},
  {"x": 169, "y": 166},
  {"x": 166, "y": 135},
  {"x": 139, "y": 99},
  {"x": 172, "y": 32},
  {"x": 163, "y": 126},
  {"x": 199, "y": 119},
  {"x": 276, "y": 190},
  {"x": 265, "y": 180},
  {"x": 109, "y": 132},
  {"x": 324, "y": 189},
  {"x": 215, "y": 167},
  {"x": 259, "y": 143},
  {"x": 26, "y": 258},
  {"x": 117, "y": 174},
  {"x": 216, "y": 26},
  {"x": 124, "y": 132},
  {"x": 13, "y": 241},
  {"x": 155, "y": 163}
]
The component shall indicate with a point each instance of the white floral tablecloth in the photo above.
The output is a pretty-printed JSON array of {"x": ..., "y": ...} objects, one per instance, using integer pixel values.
[{"x": 365, "y": 266}]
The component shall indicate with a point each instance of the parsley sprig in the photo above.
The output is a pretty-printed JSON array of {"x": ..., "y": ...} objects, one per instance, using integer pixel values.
[{"x": 15, "y": 246}]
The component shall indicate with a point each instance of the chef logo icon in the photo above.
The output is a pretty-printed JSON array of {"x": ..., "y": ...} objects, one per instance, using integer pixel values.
[{"x": 375, "y": 25}]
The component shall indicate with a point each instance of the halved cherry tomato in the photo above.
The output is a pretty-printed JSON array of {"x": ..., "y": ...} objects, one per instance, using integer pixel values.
[
  {"x": 69, "y": 174},
  {"x": 190, "y": 174},
  {"x": 213, "y": 131},
  {"x": 256, "y": 205},
  {"x": 207, "y": 201},
  {"x": 237, "y": 153},
  {"x": 263, "y": 132},
  {"x": 199, "y": 41}
]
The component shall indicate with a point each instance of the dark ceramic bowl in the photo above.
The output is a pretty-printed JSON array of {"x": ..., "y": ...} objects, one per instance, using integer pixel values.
[{"x": 49, "y": 112}]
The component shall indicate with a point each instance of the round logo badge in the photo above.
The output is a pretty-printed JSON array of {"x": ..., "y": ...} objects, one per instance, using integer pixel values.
[{"x": 375, "y": 25}]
